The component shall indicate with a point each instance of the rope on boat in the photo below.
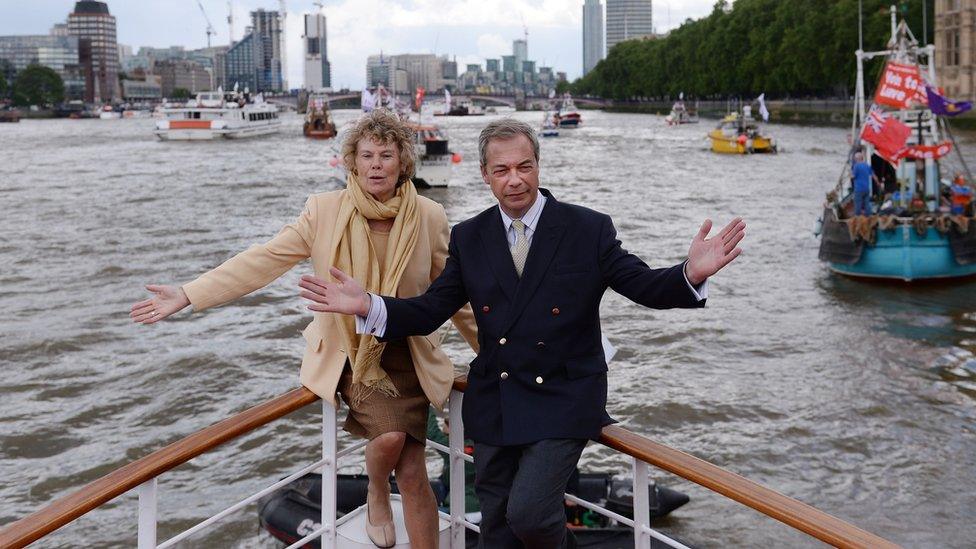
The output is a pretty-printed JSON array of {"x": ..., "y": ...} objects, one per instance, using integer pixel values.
[
  {"x": 865, "y": 228},
  {"x": 887, "y": 222},
  {"x": 861, "y": 227}
]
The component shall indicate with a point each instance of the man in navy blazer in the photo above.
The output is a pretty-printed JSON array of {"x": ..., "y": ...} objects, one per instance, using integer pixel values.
[{"x": 534, "y": 270}]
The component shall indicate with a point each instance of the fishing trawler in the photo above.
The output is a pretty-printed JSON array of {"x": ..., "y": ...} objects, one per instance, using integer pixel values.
[
  {"x": 217, "y": 115},
  {"x": 924, "y": 226},
  {"x": 318, "y": 118},
  {"x": 738, "y": 134}
]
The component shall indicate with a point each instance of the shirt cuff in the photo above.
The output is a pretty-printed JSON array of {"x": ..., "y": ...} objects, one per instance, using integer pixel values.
[
  {"x": 700, "y": 293},
  {"x": 374, "y": 323}
]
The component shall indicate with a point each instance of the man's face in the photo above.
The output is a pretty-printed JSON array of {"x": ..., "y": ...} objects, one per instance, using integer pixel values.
[{"x": 513, "y": 174}]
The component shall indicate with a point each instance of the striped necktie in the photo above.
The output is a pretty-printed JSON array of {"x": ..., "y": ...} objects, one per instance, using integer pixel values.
[{"x": 521, "y": 249}]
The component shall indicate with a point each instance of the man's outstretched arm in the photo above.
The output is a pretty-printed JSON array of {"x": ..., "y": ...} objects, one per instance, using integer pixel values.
[
  {"x": 683, "y": 285},
  {"x": 389, "y": 317}
]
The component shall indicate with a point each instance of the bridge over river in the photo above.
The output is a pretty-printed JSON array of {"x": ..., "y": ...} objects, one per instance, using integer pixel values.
[{"x": 352, "y": 99}]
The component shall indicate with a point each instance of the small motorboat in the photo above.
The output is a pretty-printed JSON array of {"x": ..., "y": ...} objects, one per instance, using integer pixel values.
[
  {"x": 318, "y": 119},
  {"x": 294, "y": 511},
  {"x": 737, "y": 134},
  {"x": 680, "y": 114},
  {"x": 550, "y": 125},
  {"x": 569, "y": 117}
]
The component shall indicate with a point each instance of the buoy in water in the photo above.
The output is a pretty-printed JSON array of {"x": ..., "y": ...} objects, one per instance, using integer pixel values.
[
  {"x": 334, "y": 161},
  {"x": 456, "y": 158}
]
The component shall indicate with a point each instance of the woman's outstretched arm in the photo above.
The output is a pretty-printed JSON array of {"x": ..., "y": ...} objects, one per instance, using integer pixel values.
[{"x": 240, "y": 275}]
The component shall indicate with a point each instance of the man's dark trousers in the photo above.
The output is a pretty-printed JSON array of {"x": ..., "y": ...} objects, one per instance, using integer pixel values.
[{"x": 521, "y": 491}]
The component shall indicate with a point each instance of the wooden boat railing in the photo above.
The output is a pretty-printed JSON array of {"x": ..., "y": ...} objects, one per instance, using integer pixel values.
[{"x": 142, "y": 474}]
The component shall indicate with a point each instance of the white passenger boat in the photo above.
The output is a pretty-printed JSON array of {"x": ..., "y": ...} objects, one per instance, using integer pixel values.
[
  {"x": 219, "y": 114},
  {"x": 434, "y": 160},
  {"x": 327, "y": 529},
  {"x": 108, "y": 113}
]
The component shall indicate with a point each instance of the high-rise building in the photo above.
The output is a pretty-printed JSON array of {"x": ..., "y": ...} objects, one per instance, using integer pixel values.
[
  {"x": 955, "y": 47},
  {"x": 60, "y": 53},
  {"x": 60, "y": 29},
  {"x": 520, "y": 50},
  {"x": 267, "y": 27},
  {"x": 406, "y": 72},
  {"x": 628, "y": 19},
  {"x": 239, "y": 63},
  {"x": 318, "y": 71},
  {"x": 378, "y": 71},
  {"x": 97, "y": 49},
  {"x": 492, "y": 65},
  {"x": 592, "y": 34},
  {"x": 508, "y": 63}
]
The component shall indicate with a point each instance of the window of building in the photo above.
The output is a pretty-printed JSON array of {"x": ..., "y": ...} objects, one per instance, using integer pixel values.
[{"x": 952, "y": 47}]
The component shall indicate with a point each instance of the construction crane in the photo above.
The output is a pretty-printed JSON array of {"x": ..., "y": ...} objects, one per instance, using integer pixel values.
[
  {"x": 320, "y": 5},
  {"x": 525, "y": 30},
  {"x": 210, "y": 29},
  {"x": 284, "y": 47},
  {"x": 230, "y": 21}
]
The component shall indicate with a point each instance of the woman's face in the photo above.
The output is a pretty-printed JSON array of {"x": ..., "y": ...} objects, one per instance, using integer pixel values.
[{"x": 378, "y": 166}]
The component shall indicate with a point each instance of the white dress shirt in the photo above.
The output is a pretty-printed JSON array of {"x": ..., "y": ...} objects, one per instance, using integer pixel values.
[{"x": 375, "y": 320}]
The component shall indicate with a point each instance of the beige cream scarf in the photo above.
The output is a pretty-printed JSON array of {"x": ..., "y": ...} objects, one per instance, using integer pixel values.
[{"x": 353, "y": 253}]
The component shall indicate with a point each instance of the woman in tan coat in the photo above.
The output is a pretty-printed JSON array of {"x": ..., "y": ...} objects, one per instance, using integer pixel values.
[{"x": 392, "y": 241}]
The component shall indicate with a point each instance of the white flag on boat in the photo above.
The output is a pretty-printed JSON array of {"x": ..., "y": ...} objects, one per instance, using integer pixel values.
[
  {"x": 447, "y": 101},
  {"x": 763, "y": 112}
]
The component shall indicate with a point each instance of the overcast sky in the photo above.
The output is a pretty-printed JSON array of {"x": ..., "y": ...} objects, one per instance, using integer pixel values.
[{"x": 471, "y": 30}]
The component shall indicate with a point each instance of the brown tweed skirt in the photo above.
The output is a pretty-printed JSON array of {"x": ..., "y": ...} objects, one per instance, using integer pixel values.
[{"x": 380, "y": 413}]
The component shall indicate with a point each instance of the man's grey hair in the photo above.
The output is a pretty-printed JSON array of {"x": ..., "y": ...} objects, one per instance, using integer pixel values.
[{"x": 506, "y": 128}]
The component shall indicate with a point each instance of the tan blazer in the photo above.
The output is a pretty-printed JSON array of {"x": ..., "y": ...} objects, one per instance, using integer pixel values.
[{"x": 311, "y": 236}]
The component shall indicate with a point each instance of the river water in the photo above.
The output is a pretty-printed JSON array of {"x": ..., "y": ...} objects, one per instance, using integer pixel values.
[{"x": 854, "y": 397}]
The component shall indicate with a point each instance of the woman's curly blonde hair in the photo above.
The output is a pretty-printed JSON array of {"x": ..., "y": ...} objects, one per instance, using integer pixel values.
[{"x": 385, "y": 127}]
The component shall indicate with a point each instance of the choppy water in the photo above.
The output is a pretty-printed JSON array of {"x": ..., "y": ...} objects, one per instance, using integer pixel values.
[{"x": 856, "y": 398}]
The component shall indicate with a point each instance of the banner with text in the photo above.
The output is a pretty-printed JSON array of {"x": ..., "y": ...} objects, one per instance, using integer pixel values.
[{"x": 900, "y": 86}]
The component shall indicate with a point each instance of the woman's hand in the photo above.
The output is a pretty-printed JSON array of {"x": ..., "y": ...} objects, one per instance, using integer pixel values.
[
  {"x": 345, "y": 296},
  {"x": 168, "y": 300}
]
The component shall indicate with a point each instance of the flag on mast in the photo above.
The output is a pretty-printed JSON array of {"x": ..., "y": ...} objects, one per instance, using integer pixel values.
[
  {"x": 943, "y": 106},
  {"x": 762, "y": 107},
  {"x": 886, "y": 133}
]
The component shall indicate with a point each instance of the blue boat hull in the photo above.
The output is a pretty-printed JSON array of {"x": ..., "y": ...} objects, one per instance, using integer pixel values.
[{"x": 905, "y": 255}]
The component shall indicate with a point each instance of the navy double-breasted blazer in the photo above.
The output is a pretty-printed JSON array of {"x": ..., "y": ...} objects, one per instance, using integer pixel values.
[{"x": 541, "y": 372}]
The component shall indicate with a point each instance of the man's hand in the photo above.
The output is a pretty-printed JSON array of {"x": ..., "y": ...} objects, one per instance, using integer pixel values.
[
  {"x": 345, "y": 296},
  {"x": 707, "y": 256}
]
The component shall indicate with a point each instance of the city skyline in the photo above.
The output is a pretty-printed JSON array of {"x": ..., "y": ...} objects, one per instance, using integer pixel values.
[{"x": 471, "y": 31}]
